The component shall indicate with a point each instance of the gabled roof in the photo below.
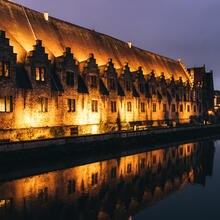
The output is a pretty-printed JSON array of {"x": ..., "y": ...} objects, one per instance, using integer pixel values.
[{"x": 23, "y": 26}]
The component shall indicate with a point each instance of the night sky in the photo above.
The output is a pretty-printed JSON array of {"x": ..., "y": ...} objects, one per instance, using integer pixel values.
[{"x": 187, "y": 29}]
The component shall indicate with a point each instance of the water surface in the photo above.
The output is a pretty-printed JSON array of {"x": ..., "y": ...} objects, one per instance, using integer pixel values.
[{"x": 177, "y": 182}]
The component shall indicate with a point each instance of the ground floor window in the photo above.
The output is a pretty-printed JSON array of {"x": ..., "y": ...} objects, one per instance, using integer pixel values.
[
  {"x": 94, "y": 106},
  {"x": 43, "y": 104},
  {"x": 113, "y": 106},
  {"x": 71, "y": 105},
  {"x": 129, "y": 106},
  {"x": 164, "y": 107},
  {"x": 188, "y": 108},
  {"x": 181, "y": 108},
  {"x": 6, "y": 104}
]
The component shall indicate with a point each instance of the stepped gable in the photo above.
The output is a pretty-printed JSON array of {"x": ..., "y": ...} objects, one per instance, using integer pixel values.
[{"x": 23, "y": 26}]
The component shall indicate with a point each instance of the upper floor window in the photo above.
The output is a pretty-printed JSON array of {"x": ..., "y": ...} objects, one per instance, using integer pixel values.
[
  {"x": 141, "y": 87},
  {"x": 113, "y": 106},
  {"x": 112, "y": 84},
  {"x": 142, "y": 107},
  {"x": 164, "y": 107},
  {"x": 154, "y": 107},
  {"x": 93, "y": 81},
  {"x": 4, "y": 69},
  {"x": 71, "y": 105},
  {"x": 6, "y": 104},
  {"x": 181, "y": 108},
  {"x": 43, "y": 104},
  {"x": 94, "y": 106},
  {"x": 188, "y": 108},
  {"x": 128, "y": 85},
  {"x": 40, "y": 73},
  {"x": 173, "y": 108},
  {"x": 70, "y": 78},
  {"x": 129, "y": 106},
  {"x": 94, "y": 179}
]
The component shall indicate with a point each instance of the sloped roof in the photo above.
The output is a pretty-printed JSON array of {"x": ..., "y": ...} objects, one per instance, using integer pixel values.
[{"x": 23, "y": 26}]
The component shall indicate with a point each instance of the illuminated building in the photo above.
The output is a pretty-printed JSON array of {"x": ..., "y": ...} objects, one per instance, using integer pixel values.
[{"x": 59, "y": 79}]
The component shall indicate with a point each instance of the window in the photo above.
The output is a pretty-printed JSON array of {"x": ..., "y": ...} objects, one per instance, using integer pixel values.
[
  {"x": 142, "y": 107},
  {"x": 173, "y": 108},
  {"x": 113, "y": 172},
  {"x": 181, "y": 108},
  {"x": 94, "y": 179},
  {"x": 71, "y": 105},
  {"x": 4, "y": 69},
  {"x": 200, "y": 108},
  {"x": 44, "y": 104},
  {"x": 40, "y": 73},
  {"x": 113, "y": 106},
  {"x": 194, "y": 108},
  {"x": 142, "y": 163},
  {"x": 112, "y": 84},
  {"x": 94, "y": 106},
  {"x": 154, "y": 159},
  {"x": 93, "y": 82},
  {"x": 6, "y": 104},
  {"x": 71, "y": 186},
  {"x": 181, "y": 151},
  {"x": 129, "y": 106},
  {"x": 154, "y": 107},
  {"x": 164, "y": 107},
  {"x": 188, "y": 108},
  {"x": 141, "y": 87},
  {"x": 188, "y": 148},
  {"x": 128, "y": 85},
  {"x": 70, "y": 78},
  {"x": 129, "y": 168},
  {"x": 153, "y": 91}
]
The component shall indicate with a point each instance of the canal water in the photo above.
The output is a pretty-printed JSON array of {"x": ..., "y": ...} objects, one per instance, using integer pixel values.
[{"x": 176, "y": 182}]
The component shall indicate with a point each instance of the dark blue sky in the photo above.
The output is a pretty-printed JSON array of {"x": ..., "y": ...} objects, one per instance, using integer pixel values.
[{"x": 187, "y": 29}]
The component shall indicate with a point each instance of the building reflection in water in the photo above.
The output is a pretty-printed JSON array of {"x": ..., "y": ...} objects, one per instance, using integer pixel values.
[{"x": 111, "y": 189}]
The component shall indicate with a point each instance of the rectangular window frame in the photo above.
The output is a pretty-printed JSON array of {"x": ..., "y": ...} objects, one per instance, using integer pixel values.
[{"x": 94, "y": 105}]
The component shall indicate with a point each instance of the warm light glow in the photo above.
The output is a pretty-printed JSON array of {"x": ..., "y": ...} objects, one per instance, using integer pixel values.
[
  {"x": 210, "y": 112},
  {"x": 94, "y": 129}
]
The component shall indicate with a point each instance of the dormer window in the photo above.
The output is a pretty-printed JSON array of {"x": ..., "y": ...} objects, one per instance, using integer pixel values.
[
  {"x": 40, "y": 74},
  {"x": 112, "y": 84},
  {"x": 70, "y": 78},
  {"x": 4, "y": 69},
  {"x": 93, "y": 82}
]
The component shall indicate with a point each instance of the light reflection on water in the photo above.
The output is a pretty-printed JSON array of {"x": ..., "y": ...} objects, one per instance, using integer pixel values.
[{"x": 138, "y": 186}]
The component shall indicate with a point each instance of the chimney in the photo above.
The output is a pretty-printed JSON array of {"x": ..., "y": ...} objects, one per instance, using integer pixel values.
[
  {"x": 46, "y": 16},
  {"x": 129, "y": 44}
]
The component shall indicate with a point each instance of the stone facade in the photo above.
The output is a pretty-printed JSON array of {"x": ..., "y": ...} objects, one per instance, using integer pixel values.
[{"x": 41, "y": 99}]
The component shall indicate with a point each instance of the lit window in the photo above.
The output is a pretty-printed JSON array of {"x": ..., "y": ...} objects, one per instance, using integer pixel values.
[
  {"x": 173, "y": 108},
  {"x": 142, "y": 107},
  {"x": 71, "y": 105},
  {"x": 6, "y": 104},
  {"x": 129, "y": 106},
  {"x": 94, "y": 106},
  {"x": 43, "y": 104},
  {"x": 40, "y": 73},
  {"x": 70, "y": 78},
  {"x": 4, "y": 69},
  {"x": 188, "y": 108},
  {"x": 164, "y": 107},
  {"x": 129, "y": 168},
  {"x": 94, "y": 179},
  {"x": 154, "y": 107},
  {"x": 113, "y": 106},
  {"x": 93, "y": 82}
]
